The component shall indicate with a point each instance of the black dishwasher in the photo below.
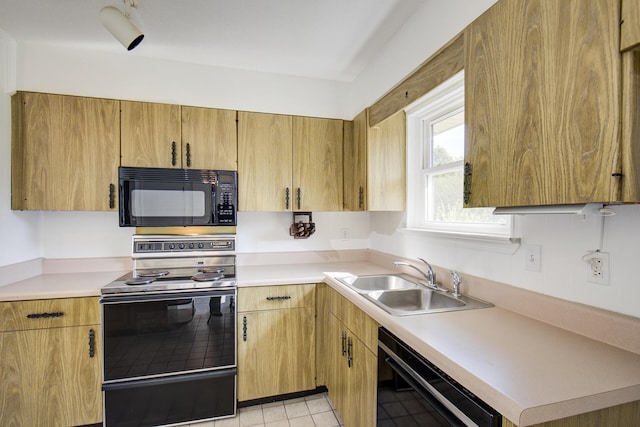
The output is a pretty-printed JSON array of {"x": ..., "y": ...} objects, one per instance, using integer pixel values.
[{"x": 413, "y": 390}]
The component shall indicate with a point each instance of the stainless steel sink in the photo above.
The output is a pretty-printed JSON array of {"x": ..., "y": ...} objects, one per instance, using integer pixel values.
[
  {"x": 421, "y": 301},
  {"x": 383, "y": 282},
  {"x": 401, "y": 296}
]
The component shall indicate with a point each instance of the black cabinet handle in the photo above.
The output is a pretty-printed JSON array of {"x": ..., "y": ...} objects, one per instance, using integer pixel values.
[
  {"x": 349, "y": 355},
  {"x": 174, "y": 153},
  {"x": 279, "y": 298},
  {"x": 343, "y": 339},
  {"x": 45, "y": 315},
  {"x": 298, "y": 197},
  {"x": 466, "y": 193},
  {"x": 286, "y": 198},
  {"x": 244, "y": 328},
  {"x": 188, "y": 155},
  {"x": 92, "y": 343},
  {"x": 112, "y": 196},
  {"x": 361, "y": 197}
]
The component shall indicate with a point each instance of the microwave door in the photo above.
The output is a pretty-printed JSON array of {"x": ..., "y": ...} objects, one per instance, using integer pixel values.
[{"x": 164, "y": 204}]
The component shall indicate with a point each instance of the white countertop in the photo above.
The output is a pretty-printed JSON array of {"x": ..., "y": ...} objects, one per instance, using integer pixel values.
[{"x": 528, "y": 370}]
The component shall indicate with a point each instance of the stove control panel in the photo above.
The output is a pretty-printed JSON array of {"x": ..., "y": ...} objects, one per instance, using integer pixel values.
[{"x": 148, "y": 245}]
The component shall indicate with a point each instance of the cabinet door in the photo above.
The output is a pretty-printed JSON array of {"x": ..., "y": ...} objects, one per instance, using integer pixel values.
[
  {"x": 317, "y": 164},
  {"x": 264, "y": 162},
  {"x": 336, "y": 361},
  {"x": 542, "y": 94},
  {"x": 65, "y": 152},
  {"x": 355, "y": 163},
  {"x": 360, "y": 396},
  {"x": 209, "y": 138},
  {"x": 276, "y": 352},
  {"x": 150, "y": 135},
  {"x": 386, "y": 164},
  {"x": 49, "y": 378},
  {"x": 630, "y": 24}
]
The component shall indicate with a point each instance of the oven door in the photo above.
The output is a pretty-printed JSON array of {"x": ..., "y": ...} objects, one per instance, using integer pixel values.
[
  {"x": 166, "y": 333},
  {"x": 171, "y": 399}
]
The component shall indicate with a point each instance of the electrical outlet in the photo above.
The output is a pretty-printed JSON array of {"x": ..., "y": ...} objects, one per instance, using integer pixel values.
[
  {"x": 598, "y": 268},
  {"x": 344, "y": 233},
  {"x": 532, "y": 258}
]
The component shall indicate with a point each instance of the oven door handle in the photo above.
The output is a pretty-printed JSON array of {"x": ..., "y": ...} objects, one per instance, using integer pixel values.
[
  {"x": 425, "y": 389},
  {"x": 162, "y": 296},
  {"x": 169, "y": 379}
]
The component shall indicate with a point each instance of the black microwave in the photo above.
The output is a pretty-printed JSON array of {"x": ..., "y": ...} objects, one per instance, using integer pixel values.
[{"x": 159, "y": 197}]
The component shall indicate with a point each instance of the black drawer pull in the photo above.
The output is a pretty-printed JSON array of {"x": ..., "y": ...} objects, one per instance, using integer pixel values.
[
  {"x": 278, "y": 298},
  {"x": 45, "y": 315}
]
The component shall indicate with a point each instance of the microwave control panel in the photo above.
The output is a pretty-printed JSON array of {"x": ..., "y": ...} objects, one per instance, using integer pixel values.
[{"x": 226, "y": 198}]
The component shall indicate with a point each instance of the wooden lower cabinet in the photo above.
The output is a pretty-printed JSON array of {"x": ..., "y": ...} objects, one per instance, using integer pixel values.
[
  {"x": 276, "y": 340},
  {"x": 48, "y": 376},
  {"x": 347, "y": 364}
]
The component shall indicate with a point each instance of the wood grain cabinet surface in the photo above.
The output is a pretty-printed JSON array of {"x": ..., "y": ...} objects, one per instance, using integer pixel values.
[
  {"x": 289, "y": 163},
  {"x": 347, "y": 357},
  {"x": 174, "y": 136},
  {"x": 276, "y": 340},
  {"x": 542, "y": 103},
  {"x": 375, "y": 164},
  {"x": 630, "y": 24},
  {"x": 50, "y": 362},
  {"x": 65, "y": 152}
]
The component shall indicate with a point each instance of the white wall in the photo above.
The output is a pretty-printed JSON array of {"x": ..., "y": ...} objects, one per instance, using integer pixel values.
[
  {"x": 564, "y": 239},
  {"x": 19, "y": 231},
  {"x": 44, "y": 68}
]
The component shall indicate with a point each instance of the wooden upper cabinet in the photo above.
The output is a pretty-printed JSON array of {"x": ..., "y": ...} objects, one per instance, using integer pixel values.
[
  {"x": 630, "y": 24},
  {"x": 355, "y": 163},
  {"x": 317, "y": 164},
  {"x": 64, "y": 152},
  {"x": 386, "y": 164},
  {"x": 542, "y": 103},
  {"x": 209, "y": 138},
  {"x": 150, "y": 135},
  {"x": 264, "y": 162},
  {"x": 174, "y": 136},
  {"x": 375, "y": 165},
  {"x": 278, "y": 154}
]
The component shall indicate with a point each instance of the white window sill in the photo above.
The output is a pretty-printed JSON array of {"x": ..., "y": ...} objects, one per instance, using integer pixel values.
[{"x": 492, "y": 242}]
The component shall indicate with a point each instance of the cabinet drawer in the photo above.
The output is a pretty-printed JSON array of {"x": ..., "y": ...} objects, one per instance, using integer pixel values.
[
  {"x": 276, "y": 297},
  {"x": 49, "y": 313}
]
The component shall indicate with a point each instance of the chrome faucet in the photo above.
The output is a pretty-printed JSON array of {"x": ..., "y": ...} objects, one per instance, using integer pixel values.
[{"x": 430, "y": 275}]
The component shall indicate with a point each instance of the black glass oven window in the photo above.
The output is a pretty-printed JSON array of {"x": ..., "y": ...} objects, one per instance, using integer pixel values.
[{"x": 173, "y": 335}]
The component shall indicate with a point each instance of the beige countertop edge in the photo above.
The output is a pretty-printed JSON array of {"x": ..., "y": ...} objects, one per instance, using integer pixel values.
[
  {"x": 58, "y": 285},
  {"x": 472, "y": 362}
]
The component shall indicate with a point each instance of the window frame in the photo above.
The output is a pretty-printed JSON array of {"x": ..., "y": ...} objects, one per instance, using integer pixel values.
[{"x": 449, "y": 97}]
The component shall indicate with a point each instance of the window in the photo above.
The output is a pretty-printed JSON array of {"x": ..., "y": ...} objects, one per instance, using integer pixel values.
[{"x": 435, "y": 149}]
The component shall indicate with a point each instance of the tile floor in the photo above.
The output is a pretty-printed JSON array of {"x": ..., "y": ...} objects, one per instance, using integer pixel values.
[{"x": 310, "y": 411}]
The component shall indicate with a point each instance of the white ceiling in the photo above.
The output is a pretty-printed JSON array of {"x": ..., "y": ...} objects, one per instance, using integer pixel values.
[{"x": 326, "y": 39}]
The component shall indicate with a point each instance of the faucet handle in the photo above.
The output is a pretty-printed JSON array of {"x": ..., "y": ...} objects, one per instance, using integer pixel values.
[{"x": 456, "y": 283}]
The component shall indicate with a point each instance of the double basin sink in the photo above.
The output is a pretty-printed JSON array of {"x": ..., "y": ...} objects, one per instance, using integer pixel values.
[{"x": 401, "y": 296}]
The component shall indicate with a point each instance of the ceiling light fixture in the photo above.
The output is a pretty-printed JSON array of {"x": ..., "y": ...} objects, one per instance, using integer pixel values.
[{"x": 119, "y": 24}]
